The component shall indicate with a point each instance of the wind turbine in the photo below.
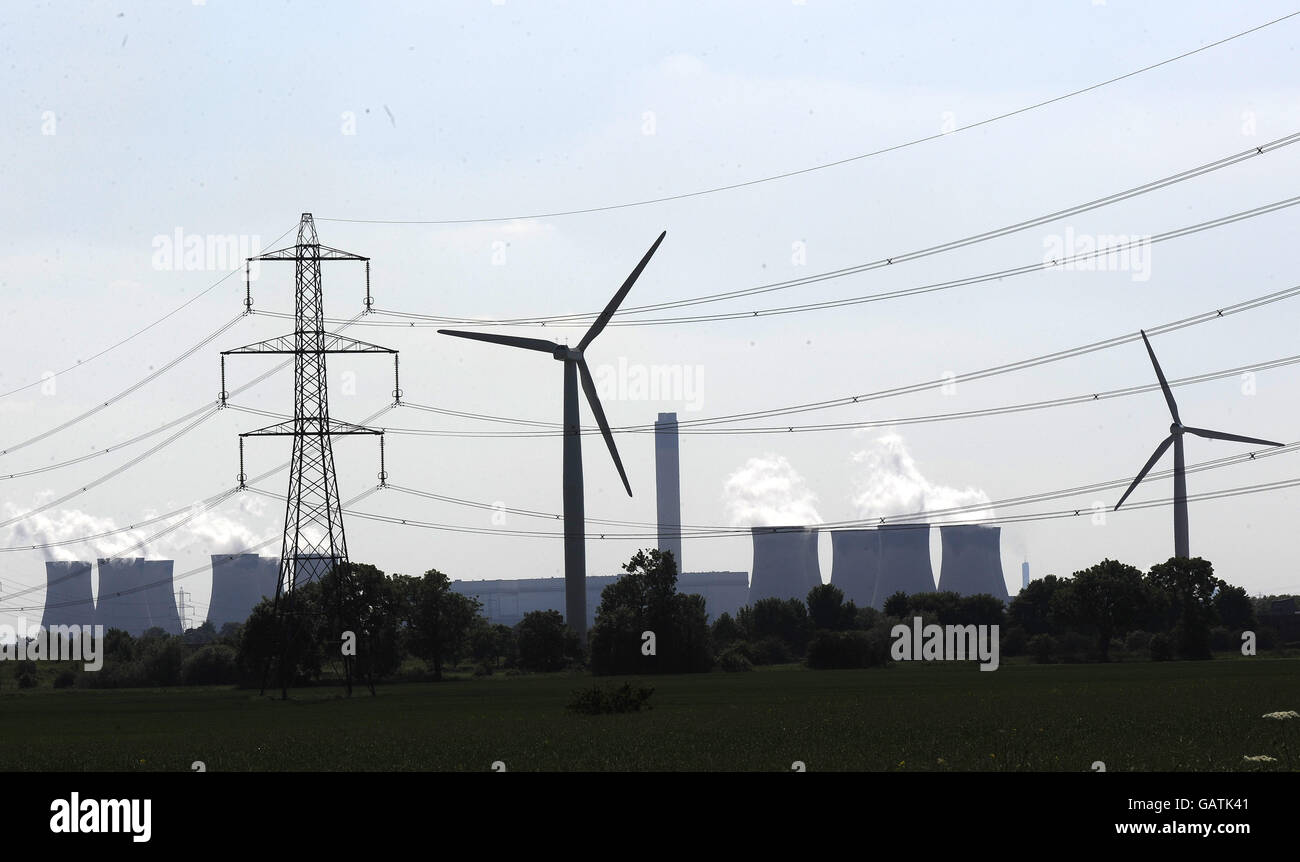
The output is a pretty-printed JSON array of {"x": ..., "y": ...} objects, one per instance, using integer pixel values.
[
  {"x": 1175, "y": 438},
  {"x": 575, "y": 365}
]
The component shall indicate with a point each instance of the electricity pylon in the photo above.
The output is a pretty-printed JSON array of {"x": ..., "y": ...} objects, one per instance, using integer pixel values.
[{"x": 314, "y": 543}]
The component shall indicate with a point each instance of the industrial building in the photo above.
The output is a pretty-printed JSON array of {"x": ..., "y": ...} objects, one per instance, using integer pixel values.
[
  {"x": 904, "y": 562},
  {"x": 785, "y": 563},
  {"x": 506, "y": 601},
  {"x": 855, "y": 564},
  {"x": 972, "y": 560},
  {"x": 239, "y": 582},
  {"x": 69, "y": 599}
]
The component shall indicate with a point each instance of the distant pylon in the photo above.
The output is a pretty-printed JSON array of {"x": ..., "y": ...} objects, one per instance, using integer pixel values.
[{"x": 314, "y": 543}]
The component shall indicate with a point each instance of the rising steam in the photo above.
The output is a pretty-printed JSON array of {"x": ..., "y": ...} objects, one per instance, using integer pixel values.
[{"x": 768, "y": 492}]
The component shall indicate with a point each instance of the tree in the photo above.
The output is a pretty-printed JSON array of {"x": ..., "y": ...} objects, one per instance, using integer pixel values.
[
  {"x": 896, "y": 605},
  {"x": 1235, "y": 608},
  {"x": 439, "y": 619},
  {"x": 1191, "y": 584},
  {"x": 201, "y": 634},
  {"x": 784, "y": 620},
  {"x": 828, "y": 610},
  {"x": 645, "y": 599},
  {"x": 726, "y": 631},
  {"x": 1031, "y": 609},
  {"x": 359, "y": 599},
  {"x": 1107, "y": 598},
  {"x": 545, "y": 643}
]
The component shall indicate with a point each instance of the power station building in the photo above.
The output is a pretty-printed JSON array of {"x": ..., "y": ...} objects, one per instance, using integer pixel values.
[
  {"x": 506, "y": 601},
  {"x": 785, "y": 563},
  {"x": 239, "y": 582},
  {"x": 904, "y": 562},
  {"x": 972, "y": 560},
  {"x": 855, "y": 564},
  {"x": 69, "y": 599}
]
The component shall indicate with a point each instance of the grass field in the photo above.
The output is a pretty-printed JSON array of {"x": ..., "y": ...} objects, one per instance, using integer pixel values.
[{"x": 1200, "y": 716}]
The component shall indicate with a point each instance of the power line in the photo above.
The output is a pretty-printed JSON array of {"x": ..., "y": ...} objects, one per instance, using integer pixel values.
[
  {"x": 1002, "y": 410},
  {"x": 1024, "y": 269},
  {"x": 904, "y": 257},
  {"x": 84, "y": 362},
  {"x": 844, "y": 161}
]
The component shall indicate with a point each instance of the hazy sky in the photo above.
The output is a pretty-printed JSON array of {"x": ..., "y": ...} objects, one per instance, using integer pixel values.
[{"x": 128, "y": 122}]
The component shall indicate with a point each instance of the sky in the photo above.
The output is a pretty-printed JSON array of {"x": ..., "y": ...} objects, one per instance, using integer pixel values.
[{"x": 128, "y": 124}]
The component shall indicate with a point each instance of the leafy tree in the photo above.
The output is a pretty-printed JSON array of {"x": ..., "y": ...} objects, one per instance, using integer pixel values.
[
  {"x": 1107, "y": 598},
  {"x": 545, "y": 643},
  {"x": 827, "y": 609},
  {"x": 896, "y": 605},
  {"x": 785, "y": 620},
  {"x": 645, "y": 599},
  {"x": 439, "y": 619},
  {"x": 202, "y": 634},
  {"x": 1191, "y": 584},
  {"x": 1031, "y": 609},
  {"x": 726, "y": 631},
  {"x": 1235, "y": 608},
  {"x": 358, "y": 598}
]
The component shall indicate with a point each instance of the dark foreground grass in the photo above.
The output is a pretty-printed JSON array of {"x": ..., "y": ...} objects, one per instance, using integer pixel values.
[{"x": 1139, "y": 716}]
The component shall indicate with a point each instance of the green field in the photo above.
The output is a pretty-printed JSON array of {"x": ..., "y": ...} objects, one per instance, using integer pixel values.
[{"x": 1132, "y": 716}]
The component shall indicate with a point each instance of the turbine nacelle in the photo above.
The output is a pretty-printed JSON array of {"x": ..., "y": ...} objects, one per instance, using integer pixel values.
[{"x": 564, "y": 353}]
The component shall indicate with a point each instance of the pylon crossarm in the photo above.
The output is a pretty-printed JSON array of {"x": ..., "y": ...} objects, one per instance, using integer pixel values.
[
  {"x": 287, "y": 344},
  {"x": 309, "y": 252},
  {"x": 310, "y": 426}
]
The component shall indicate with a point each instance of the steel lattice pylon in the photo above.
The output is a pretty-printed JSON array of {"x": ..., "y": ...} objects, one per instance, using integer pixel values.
[{"x": 314, "y": 541}]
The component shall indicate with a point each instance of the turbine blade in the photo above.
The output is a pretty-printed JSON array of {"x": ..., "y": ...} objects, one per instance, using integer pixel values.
[
  {"x": 589, "y": 387},
  {"x": 508, "y": 340},
  {"x": 1219, "y": 435},
  {"x": 1164, "y": 384},
  {"x": 1151, "y": 462},
  {"x": 618, "y": 297}
]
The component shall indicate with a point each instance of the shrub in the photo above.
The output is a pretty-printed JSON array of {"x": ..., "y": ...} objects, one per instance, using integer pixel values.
[
  {"x": 25, "y": 674},
  {"x": 1138, "y": 642},
  {"x": 1221, "y": 638},
  {"x": 1161, "y": 647},
  {"x": 213, "y": 664},
  {"x": 734, "y": 660},
  {"x": 851, "y": 649},
  {"x": 769, "y": 650},
  {"x": 1074, "y": 648},
  {"x": 1043, "y": 648},
  {"x": 1014, "y": 641},
  {"x": 65, "y": 679},
  {"x": 599, "y": 701},
  {"x": 483, "y": 669}
]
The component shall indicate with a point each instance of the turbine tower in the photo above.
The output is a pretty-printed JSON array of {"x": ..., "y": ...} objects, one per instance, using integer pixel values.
[
  {"x": 1176, "y": 431},
  {"x": 575, "y": 365}
]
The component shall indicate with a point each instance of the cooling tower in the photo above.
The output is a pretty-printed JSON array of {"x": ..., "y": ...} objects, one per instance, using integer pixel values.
[
  {"x": 855, "y": 564},
  {"x": 120, "y": 605},
  {"x": 239, "y": 582},
  {"x": 972, "y": 560},
  {"x": 69, "y": 600},
  {"x": 160, "y": 597},
  {"x": 785, "y": 563},
  {"x": 904, "y": 562},
  {"x": 668, "y": 489}
]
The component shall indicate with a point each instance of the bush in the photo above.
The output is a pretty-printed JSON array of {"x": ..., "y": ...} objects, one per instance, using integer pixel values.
[
  {"x": 1161, "y": 647},
  {"x": 483, "y": 669},
  {"x": 1014, "y": 641},
  {"x": 65, "y": 679},
  {"x": 840, "y": 650},
  {"x": 769, "y": 650},
  {"x": 734, "y": 660},
  {"x": 213, "y": 664},
  {"x": 601, "y": 701},
  {"x": 1221, "y": 638},
  {"x": 1043, "y": 648},
  {"x": 1074, "y": 648},
  {"x": 1138, "y": 642},
  {"x": 25, "y": 674}
]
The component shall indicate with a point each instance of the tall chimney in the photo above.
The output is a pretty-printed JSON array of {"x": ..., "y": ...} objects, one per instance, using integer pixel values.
[
  {"x": 1024, "y": 575},
  {"x": 668, "y": 487}
]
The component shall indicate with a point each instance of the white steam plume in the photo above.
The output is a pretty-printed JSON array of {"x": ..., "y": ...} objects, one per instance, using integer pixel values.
[{"x": 768, "y": 492}]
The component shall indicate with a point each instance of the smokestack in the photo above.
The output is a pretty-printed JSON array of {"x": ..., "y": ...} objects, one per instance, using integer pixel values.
[
  {"x": 119, "y": 604},
  {"x": 239, "y": 582},
  {"x": 855, "y": 564},
  {"x": 160, "y": 596},
  {"x": 904, "y": 562},
  {"x": 1024, "y": 575},
  {"x": 668, "y": 487},
  {"x": 972, "y": 560},
  {"x": 785, "y": 563},
  {"x": 69, "y": 600}
]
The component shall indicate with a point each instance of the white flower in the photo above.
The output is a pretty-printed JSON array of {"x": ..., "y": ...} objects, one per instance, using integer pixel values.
[
  {"x": 1260, "y": 758},
  {"x": 1280, "y": 716}
]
